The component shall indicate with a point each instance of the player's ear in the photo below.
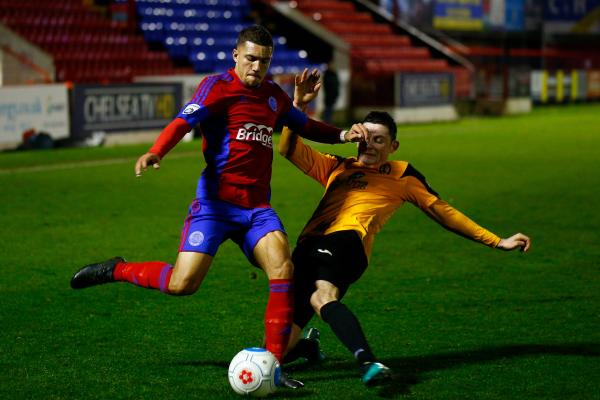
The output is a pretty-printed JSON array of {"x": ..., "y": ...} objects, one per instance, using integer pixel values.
[
  {"x": 395, "y": 145},
  {"x": 235, "y": 54}
]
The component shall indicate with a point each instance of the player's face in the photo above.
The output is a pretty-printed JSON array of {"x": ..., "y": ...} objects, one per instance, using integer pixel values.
[
  {"x": 252, "y": 62},
  {"x": 377, "y": 149}
]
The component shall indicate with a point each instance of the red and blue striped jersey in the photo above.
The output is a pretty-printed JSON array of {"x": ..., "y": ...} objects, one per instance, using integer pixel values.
[{"x": 237, "y": 124}]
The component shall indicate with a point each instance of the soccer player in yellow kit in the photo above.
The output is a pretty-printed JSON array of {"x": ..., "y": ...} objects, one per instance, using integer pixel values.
[{"x": 361, "y": 194}]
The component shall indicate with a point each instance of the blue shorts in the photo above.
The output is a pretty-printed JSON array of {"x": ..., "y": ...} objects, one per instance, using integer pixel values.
[{"x": 210, "y": 222}]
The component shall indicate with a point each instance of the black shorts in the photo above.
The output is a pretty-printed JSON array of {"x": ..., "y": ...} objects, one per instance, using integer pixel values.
[{"x": 338, "y": 258}]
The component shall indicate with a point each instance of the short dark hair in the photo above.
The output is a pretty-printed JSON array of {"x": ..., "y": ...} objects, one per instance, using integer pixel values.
[
  {"x": 255, "y": 34},
  {"x": 382, "y": 118}
]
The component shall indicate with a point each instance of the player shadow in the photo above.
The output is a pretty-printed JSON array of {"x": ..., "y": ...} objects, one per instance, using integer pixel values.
[
  {"x": 203, "y": 363},
  {"x": 288, "y": 393},
  {"x": 408, "y": 371}
]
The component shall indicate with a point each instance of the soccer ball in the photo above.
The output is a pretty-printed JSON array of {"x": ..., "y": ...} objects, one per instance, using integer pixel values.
[{"x": 254, "y": 371}]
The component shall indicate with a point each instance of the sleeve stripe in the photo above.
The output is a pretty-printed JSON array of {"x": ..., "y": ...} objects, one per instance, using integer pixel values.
[
  {"x": 411, "y": 171},
  {"x": 207, "y": 84},
  {"x": 203, "y": 89},
  {"x": 297, "y": 117}
]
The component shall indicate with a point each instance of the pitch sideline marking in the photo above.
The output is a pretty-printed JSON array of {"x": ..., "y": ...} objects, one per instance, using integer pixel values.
[{"x": 79, "y": 164}]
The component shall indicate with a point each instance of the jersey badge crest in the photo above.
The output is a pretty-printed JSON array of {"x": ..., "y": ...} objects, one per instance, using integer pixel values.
[
  {"x": 191, "y": 108},
  {"x": 385, "y": 169},
  {"x": 273, "y": 103}
]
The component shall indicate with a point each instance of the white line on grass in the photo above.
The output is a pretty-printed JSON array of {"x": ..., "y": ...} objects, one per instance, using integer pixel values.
[{"x": 81, "y": 164}]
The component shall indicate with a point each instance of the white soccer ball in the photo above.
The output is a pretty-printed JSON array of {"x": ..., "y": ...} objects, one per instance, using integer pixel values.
[{"x": 254, "y": 371}]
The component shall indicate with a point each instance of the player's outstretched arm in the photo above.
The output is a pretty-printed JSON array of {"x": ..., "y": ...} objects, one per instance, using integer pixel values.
[
  {"x": 167, "y": 139},
  {"x": 516, "y": 241},
  {"x": 306, "y": 88},
  {"x": 457, "y": 222},
  {"x": 356, "y": 133},
  {"x": 145, "y": 161}
]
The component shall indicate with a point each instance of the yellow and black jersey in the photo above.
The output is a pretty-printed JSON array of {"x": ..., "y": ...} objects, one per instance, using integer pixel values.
[
  {"x": 357, "y": 197},
  {"x": 362, "y": 199}
]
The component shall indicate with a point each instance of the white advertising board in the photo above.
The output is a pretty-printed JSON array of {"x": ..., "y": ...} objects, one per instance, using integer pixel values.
[{"x": 44, "y": 108}]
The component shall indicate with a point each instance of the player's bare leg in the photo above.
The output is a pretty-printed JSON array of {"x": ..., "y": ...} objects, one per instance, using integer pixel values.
[
  {"x": 326, "y": 293},
  {"x": 189, "y": 272},
  {"x": 183, "y": 279},
  {"x": 294, "y": 337},
  {"x": 272, "y": 253}
]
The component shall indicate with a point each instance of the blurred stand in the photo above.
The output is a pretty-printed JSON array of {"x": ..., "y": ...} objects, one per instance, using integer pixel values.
[{"x": 331, "y": 87}]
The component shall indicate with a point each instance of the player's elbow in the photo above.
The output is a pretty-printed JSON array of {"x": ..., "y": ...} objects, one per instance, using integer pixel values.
[
  {"x": 282, "y": 149},
  {"x": 286, "y": 141}
]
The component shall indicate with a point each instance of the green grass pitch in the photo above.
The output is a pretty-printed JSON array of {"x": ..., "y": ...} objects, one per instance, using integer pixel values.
[{"x": 452, "y": 318}]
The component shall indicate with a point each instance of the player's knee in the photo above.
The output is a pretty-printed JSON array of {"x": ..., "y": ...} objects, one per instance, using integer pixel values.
[
  {"x": 287, "y": 268},
  {"x": 183, "y": 288},
  {"x": 319, "y": 298},
  {"x": 315, "y": 303}
]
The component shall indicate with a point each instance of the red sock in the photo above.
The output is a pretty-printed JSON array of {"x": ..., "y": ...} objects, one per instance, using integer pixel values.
[
  {"x": 150, "y": 274},
  {"x": 278, "y": 316}
]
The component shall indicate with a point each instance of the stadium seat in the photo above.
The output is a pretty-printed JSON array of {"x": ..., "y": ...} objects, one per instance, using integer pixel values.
[
  {"x": 375, "y": 49},
  {"x": 204, "y": 32},
  {"x": 86, "y": 46}
]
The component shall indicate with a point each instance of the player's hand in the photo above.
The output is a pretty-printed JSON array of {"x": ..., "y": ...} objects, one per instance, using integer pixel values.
[
  {"x": 357, "y": 133},
  {"x": 306, "y": 87},
  {"x": 145, "y": 161},
  {"x": 515, "y": 241}
]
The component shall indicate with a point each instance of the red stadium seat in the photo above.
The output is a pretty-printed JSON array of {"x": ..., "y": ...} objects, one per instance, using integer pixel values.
[
  {"x": 375, "y": 48},
  {"x": 86, "y": 46}
]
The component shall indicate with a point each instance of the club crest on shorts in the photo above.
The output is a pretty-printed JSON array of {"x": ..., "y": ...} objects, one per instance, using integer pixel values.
[
  {"x": 196, "y": 238},
  {"x": 273, "y": 103}
]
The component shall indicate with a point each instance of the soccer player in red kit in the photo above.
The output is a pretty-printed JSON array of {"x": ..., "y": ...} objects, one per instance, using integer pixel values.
[{"x": 237, "y": 112}]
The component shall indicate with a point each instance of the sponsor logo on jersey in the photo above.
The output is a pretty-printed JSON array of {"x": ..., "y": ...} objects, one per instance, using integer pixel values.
[
  {"x": 196, "y": 238},
  {"x": 353, "y": 181},
  {"x": 256, "y": 133},
  {"x": 191, "y": 108},
  {"x": 273, "y": 103}
]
